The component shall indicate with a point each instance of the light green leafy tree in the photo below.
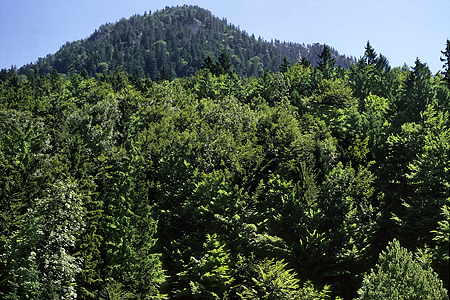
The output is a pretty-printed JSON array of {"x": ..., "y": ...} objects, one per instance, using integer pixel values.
[
  {"x": 399, "y": 276},
  {"x": 209, "y": 275},
  {"x": 441, "y": 249},
  {"x": 272, "y": 281},
  {"x": 41, "y": 254}
]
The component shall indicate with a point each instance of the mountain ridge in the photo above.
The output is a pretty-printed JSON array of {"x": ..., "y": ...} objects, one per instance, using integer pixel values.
[{"x": 179, "y": 39}]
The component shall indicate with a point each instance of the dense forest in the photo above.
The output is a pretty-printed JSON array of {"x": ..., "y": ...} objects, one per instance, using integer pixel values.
[
  {"x": 305, "y": 182},
  {"x": 177, "y": 39}
]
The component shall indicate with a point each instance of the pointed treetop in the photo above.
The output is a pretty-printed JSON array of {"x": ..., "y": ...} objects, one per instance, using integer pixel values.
[
  {"x": 370, "y": 56},
  {"x": 224, "y": 65},
  {"x": 208, "y": 63},
  {"x": 327, "y": 63},
  {"x": 446, "y": 65},
  {"x": 163, "y": 75},
  {"x": 286, "y": 65}
]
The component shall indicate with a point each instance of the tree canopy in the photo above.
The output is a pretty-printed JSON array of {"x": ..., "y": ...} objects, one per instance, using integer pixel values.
[{"x": 287, "y": 185}]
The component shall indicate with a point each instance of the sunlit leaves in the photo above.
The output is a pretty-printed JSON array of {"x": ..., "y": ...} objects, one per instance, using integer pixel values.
[
  {"x": 399, "y": 275},
  {"x": 272, "y": 281},
  {"x": 41, "y": 253},
  {"x": 209, "y": 274},
  {"x": 217, "y": 179}
]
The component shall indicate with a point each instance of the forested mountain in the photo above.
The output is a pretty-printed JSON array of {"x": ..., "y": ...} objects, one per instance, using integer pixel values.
[
  {"x": 177, "y": 38},
  {"x": 308, "y": 182}
]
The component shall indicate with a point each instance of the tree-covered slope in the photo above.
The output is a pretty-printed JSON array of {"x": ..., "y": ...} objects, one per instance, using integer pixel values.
[{"x": 178, "y": 38}]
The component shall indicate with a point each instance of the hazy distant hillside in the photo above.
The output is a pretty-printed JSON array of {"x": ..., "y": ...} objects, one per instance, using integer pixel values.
[
  {"x": 178, "y": 38},
  {"x": 296, "y": 51}
]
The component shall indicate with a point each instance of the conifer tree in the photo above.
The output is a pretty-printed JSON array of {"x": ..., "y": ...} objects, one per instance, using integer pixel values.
[
  {"x": 305, "y": 62},
  {"x": 163, "y": 75},
  {"x": 208, "y": 275},
  {"x": 208, "y": 63},
  {"x": 441, "y": 251},
  {"x": 416, "y": 95},
  {"x": 446, "y": 60},
  {"x": 370, "y": 56},
  {"x": 326, "y": 62},
  {"x": 128, "y": 232},
  {"x": 84, "y": 74},
  {"x": 285, "y": 66},
  {"x": 223, "y": 65}
]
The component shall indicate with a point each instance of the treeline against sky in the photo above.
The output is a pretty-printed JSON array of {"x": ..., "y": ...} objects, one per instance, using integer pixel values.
[{"x": 177, "y": 39}]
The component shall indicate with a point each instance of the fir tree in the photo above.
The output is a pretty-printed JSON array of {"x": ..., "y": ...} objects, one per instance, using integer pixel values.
[
  {"x": 223, "y": 65},
  {"x": 370, "y": 56},
  {"x": 326, "y": 63},
  {"x": 285, "y": 66},
  {"x": 163, "y": 75},
  {"x": 446, "y": 60}
]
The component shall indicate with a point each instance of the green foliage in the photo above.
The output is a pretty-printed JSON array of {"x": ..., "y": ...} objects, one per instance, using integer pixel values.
[
  {"x": 273, "y": 281},
  {"x": 173, "y": 42},
  {"x": 376, "y": 122},
  {"x": 333, "y": 93},
  {"x": 127, "y": 230},
  {"x": 209, "y": 275},
  {"x": 335, "y": 244},
  {"x": 442, "y": 234},
  {"x": 284, "y": 185},
  {"x": 446, "y": 61},
  {"x": 272, "y": 87},
  {"x": 417, "y": 94},
  {"x": 399, "y": 276},
  {"x": 114, "y": 291},
  {"x": 372, "y": 76},
  {"x": 285, "y": 66},
  {"x": 59, "y": 219},
  {"x": 326, "y": 63},
  {"x": 425, "y": 184},
  {"x": 440, "y": 259},
  {"x": 41, "y": 255}
]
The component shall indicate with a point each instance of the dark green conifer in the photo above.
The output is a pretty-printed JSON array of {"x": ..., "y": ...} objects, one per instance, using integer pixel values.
[
  {"x": 446, "y": 60},
  {"x": 163, "y": 75},
  {"x": 326, "y": 63},
  {"x": 285, "y": 66},
  {"x": 370, "y": 56},
  {"x": 223, "y": 65},
  {"x": 208, "y": 63}
]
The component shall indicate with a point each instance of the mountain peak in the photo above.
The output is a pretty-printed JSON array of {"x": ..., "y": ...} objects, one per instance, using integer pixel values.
[{"x": 177, "y": 38}]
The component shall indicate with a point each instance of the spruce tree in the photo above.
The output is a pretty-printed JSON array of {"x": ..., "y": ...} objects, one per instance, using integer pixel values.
[
  {"x": 285, "y": 66},
  {"x": 305, "y": 62},
  {"x": 223, "y": 65},
  {"x": 446, "y": 60},
  {"x": 416, "y": 95},
  {"x": 163, "y": 75},
  {"x": 326, "y": 63},
  {"x": 370, "y": 56},
  {"x": 208, "y": 63}
]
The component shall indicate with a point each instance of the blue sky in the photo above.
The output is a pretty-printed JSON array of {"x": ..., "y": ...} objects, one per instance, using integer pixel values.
[{"x": 399, "y": 29}]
